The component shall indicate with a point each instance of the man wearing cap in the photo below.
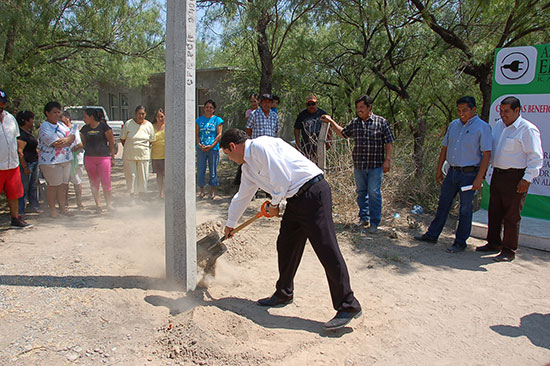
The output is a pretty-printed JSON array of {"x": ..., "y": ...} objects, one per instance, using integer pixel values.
[
  {"x": 263, "y": 121},
  {"x": 308, "y": 123},
  {"x": 10, "y": 177},
  {"x": 278, "y": 168},
  {"x": 373, "y": 144},
  {"x": 517, "y": 159},
  {"x": 467, "y": 147}
]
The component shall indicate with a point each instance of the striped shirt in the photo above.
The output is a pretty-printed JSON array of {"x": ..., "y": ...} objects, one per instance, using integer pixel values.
[
  {"x": 370, "y": 137},
  {"x": 262, "y": 125}
]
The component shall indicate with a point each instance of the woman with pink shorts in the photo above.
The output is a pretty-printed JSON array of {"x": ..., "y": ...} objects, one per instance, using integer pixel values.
[{"x": 99, "y": 154}]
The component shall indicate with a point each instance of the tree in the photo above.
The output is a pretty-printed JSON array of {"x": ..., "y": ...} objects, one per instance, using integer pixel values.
[
  {"x": 381, "y": 51},
  {"x": 475, "y": 29},
  {"x": 265, "y": 24},
  {"x": 60, "y": 49}
]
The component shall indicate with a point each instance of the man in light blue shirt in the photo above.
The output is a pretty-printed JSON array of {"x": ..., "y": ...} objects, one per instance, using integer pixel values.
[{"x": 467, "y": 147}]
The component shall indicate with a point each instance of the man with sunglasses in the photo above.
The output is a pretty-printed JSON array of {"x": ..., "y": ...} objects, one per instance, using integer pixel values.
[{"x": 308, "y": 124}]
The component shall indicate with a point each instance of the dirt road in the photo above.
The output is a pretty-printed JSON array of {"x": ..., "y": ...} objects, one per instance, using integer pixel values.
[{"x": 89, "y": 290}]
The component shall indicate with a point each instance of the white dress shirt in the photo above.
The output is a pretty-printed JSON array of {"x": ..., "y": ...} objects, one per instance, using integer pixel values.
[
  {"x": 9, "y": 131},
  {"x": 274, "y": 166},
  {"x": 517, "y": 146}
]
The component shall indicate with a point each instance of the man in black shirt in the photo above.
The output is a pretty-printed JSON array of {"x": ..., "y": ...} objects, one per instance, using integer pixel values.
[{"x": 309, "y": 124}]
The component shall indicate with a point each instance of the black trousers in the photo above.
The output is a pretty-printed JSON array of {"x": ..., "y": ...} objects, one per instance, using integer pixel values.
[
  {"x": 505, "y": 205},
  {"x": 309, "y": 216}
]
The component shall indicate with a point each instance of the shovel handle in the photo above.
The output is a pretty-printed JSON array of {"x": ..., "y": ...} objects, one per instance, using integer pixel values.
[
  {"x": 263, "y": 212},
  {"x": 246, "y": 223}
]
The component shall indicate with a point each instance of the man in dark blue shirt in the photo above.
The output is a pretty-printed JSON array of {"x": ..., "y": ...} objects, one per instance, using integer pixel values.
[{"x": 308, "y": 124}]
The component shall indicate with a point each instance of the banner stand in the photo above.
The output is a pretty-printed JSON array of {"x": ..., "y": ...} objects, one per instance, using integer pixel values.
[{"x": 524, "y": 72}]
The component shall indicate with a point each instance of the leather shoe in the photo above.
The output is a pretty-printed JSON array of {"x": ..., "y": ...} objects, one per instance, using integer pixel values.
[
  {"x": 341, "y": 319},
  {"x": 425, "y": 238},
  {"x": 456, "y": 248},
  {"x": 504, "y": 257},
  {"x": 488, "y": 248},
  {"x": 274, "y": 301}
]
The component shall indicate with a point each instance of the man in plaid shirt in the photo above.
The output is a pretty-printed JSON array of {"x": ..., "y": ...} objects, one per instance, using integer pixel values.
[
  {"x": 263, "y": 121},
  {"x": 371, "y": 158}
]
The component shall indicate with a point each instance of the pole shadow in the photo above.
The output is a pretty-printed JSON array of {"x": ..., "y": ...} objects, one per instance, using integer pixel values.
[{"x": 100, "y": 282}]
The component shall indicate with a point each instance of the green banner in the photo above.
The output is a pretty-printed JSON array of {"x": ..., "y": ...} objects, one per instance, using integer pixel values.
[{"x": 524, "y": 72}]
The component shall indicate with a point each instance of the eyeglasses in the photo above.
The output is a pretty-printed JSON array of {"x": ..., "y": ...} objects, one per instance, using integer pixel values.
[{"x": 311, "y": 104}]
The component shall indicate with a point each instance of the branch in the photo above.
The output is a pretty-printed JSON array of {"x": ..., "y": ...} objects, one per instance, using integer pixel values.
[
  {"x": 448, "y": 36},
  {"x": 291, "y": 24}
]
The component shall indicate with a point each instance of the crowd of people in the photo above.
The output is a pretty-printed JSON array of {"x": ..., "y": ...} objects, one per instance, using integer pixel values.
[
  {"x": 59, "y": 152},
  {"x": 513, "y": 148}
]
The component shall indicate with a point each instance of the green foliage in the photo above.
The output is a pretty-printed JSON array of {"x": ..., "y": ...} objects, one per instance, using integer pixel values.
[{"x": 63, "y": 50}]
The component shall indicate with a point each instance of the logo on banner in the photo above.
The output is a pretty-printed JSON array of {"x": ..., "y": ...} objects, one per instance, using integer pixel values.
[{"x": 516, "y": 65}]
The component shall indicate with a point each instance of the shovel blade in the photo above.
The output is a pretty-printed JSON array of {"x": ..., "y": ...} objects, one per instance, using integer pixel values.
[{"x": 209, "y": 249}]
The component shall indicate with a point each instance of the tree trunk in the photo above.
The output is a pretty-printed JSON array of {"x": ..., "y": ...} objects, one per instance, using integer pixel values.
[
  {"x": 266, "y": 58},
  {"x": 485, "y": 79},
  {"x": 10, "y": 40}
]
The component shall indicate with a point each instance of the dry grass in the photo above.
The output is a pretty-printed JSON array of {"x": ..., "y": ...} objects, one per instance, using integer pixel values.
[{"x": 401, "y": 189}]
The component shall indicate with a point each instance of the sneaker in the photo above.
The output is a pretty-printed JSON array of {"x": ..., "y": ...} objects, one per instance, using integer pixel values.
[
  {"x": 362, "y": 224},
  {"x": 372, "y": 229},
  {"x": 19, "y": 223}
]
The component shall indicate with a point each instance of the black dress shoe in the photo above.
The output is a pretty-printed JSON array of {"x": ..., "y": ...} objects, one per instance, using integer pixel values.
[
  {"x": 456, "y": 248},
  {"x": 425, "y": 238},
  {"x": 504, "y": 257},
  {"x": 341, "y": 319},
  {"x": 488, "y": 248},
  {"x": 274, "y": 301}
]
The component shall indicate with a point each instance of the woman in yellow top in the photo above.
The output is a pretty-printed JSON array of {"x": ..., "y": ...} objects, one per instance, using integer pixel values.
[
  {"x": 157, "y": 152},
  {"x": 136, "y": 137}
]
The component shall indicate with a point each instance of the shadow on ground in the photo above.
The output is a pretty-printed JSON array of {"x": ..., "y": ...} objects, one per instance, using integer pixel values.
[
  {"x": 100, "y": 282},
  {"x": 535, "y": 326},
  {"x": 404, "y": 252},
  {"x": 246, "y": 308}
]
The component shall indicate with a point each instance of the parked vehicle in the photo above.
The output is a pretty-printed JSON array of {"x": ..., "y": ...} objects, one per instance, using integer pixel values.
[{"x": 77, "y": 117}]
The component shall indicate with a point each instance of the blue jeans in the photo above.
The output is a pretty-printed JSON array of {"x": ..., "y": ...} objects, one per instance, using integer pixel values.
[
  {"x": 30, "y": 186},
  {"x": 369, "y": 197},
  {"x": 450, "y": 187},
  {"x": 211, "y": 157}
]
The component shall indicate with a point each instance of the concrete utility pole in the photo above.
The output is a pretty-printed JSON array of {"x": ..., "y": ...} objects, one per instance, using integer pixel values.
[{"x": 180, "y": 209}]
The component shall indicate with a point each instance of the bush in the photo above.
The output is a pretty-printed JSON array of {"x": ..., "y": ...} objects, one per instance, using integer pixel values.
[{"x": 401, "y": 186}]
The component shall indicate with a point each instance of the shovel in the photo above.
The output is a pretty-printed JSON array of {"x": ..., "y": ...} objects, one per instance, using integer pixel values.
[{"x": 211, "y": 247}]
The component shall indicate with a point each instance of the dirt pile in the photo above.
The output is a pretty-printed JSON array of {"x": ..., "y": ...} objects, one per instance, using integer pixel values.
[{"x": 211, "y": 336}]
